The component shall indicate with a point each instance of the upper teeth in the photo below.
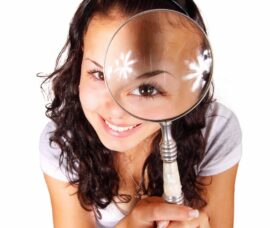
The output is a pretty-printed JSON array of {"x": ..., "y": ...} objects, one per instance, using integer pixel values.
[{"x": 117, "y": 128}]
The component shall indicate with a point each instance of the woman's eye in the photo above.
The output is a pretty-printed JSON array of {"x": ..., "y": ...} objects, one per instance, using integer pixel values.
[
  {"x": 145, "y": 91},
  {"x": 98, "y": 75}
]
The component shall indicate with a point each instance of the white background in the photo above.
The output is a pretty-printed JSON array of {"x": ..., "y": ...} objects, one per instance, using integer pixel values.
[{"x": 32, "y": 34}]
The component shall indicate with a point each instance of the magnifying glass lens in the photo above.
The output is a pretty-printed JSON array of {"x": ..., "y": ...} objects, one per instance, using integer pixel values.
[{"x": 158, "y": 65}]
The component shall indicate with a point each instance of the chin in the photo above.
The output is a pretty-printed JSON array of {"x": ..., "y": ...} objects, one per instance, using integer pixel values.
[{"x": 118, "y": 146}]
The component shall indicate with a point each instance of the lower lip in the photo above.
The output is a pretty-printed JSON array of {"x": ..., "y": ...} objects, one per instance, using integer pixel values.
[{"x": 116, "y": 133}]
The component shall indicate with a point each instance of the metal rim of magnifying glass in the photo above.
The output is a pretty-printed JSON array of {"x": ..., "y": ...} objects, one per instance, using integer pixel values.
[{"x": 207, "y": 86}]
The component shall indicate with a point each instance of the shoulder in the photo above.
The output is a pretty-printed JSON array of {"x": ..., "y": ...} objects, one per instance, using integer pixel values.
[
  {"x": 220, "y": 120},
  {"x": 49, "y": 154},
  {"x": 223, "y": 140}
]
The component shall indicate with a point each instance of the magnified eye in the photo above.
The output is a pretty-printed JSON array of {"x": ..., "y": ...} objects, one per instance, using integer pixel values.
[{"x": 146, "y": 91}]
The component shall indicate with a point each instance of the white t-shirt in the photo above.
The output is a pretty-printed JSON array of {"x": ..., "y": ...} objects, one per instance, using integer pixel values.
[{"x": 223, "y": 151}]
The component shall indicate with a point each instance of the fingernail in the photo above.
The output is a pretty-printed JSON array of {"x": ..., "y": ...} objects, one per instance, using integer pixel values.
[
  {"x": 162, "y": 224},
  {"x": 194, "y": 214}
]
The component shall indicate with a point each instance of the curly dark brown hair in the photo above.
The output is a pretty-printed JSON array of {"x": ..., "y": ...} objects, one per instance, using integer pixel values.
[{"x": 85, "y": 155}]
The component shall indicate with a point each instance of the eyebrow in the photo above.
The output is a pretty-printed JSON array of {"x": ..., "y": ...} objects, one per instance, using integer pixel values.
[
  {"x": 153, "y": 74},
  {"x": 96, "y": 63},
  {"x": 142, "y": 76}
]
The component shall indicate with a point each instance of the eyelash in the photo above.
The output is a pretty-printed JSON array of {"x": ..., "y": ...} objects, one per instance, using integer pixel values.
[
  {"x": 93, "y": 72},
  {"x": 152, "y": 85}
]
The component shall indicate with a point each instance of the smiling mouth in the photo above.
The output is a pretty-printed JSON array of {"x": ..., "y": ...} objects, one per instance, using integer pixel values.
[{"x": 118, "y": 128}]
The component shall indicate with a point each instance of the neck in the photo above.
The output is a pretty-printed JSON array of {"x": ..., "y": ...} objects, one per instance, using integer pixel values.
[
  {"x": 132, "y": 161},
  {"x": 137, "y": 154}
]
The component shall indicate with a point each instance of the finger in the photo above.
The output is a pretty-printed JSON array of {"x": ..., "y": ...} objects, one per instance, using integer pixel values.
[
  {"x": 155, "y": 209},
  {"x": 162, "y": 224},
  {"x": 201, "y": 222},
  {"x": 183, "y": 225}
]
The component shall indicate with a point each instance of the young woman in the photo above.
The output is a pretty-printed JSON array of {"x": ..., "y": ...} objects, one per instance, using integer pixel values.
[{"x": 103, "y": 167}]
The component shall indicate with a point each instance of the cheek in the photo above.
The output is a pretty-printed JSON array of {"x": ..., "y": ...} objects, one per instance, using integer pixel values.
[{"x": 89, "y": 97}]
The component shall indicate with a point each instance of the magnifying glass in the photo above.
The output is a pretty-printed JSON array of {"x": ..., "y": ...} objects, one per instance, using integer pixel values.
[{"x": 158, "y": 67}]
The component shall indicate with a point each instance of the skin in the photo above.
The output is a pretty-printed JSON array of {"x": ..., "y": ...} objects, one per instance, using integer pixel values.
[
  {"x": 162, "y": 53},
  {"x": 91, "y": 87},
  {"x": 67, "y": 212}
]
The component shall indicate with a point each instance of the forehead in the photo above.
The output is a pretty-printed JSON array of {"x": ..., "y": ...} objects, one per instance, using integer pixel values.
[
  {"x": 99, "y": 33},
  {"x": 178, "y": 35}
]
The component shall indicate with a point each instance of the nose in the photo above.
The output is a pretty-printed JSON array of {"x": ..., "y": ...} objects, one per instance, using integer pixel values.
[{"x": 114, "y": 109}]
